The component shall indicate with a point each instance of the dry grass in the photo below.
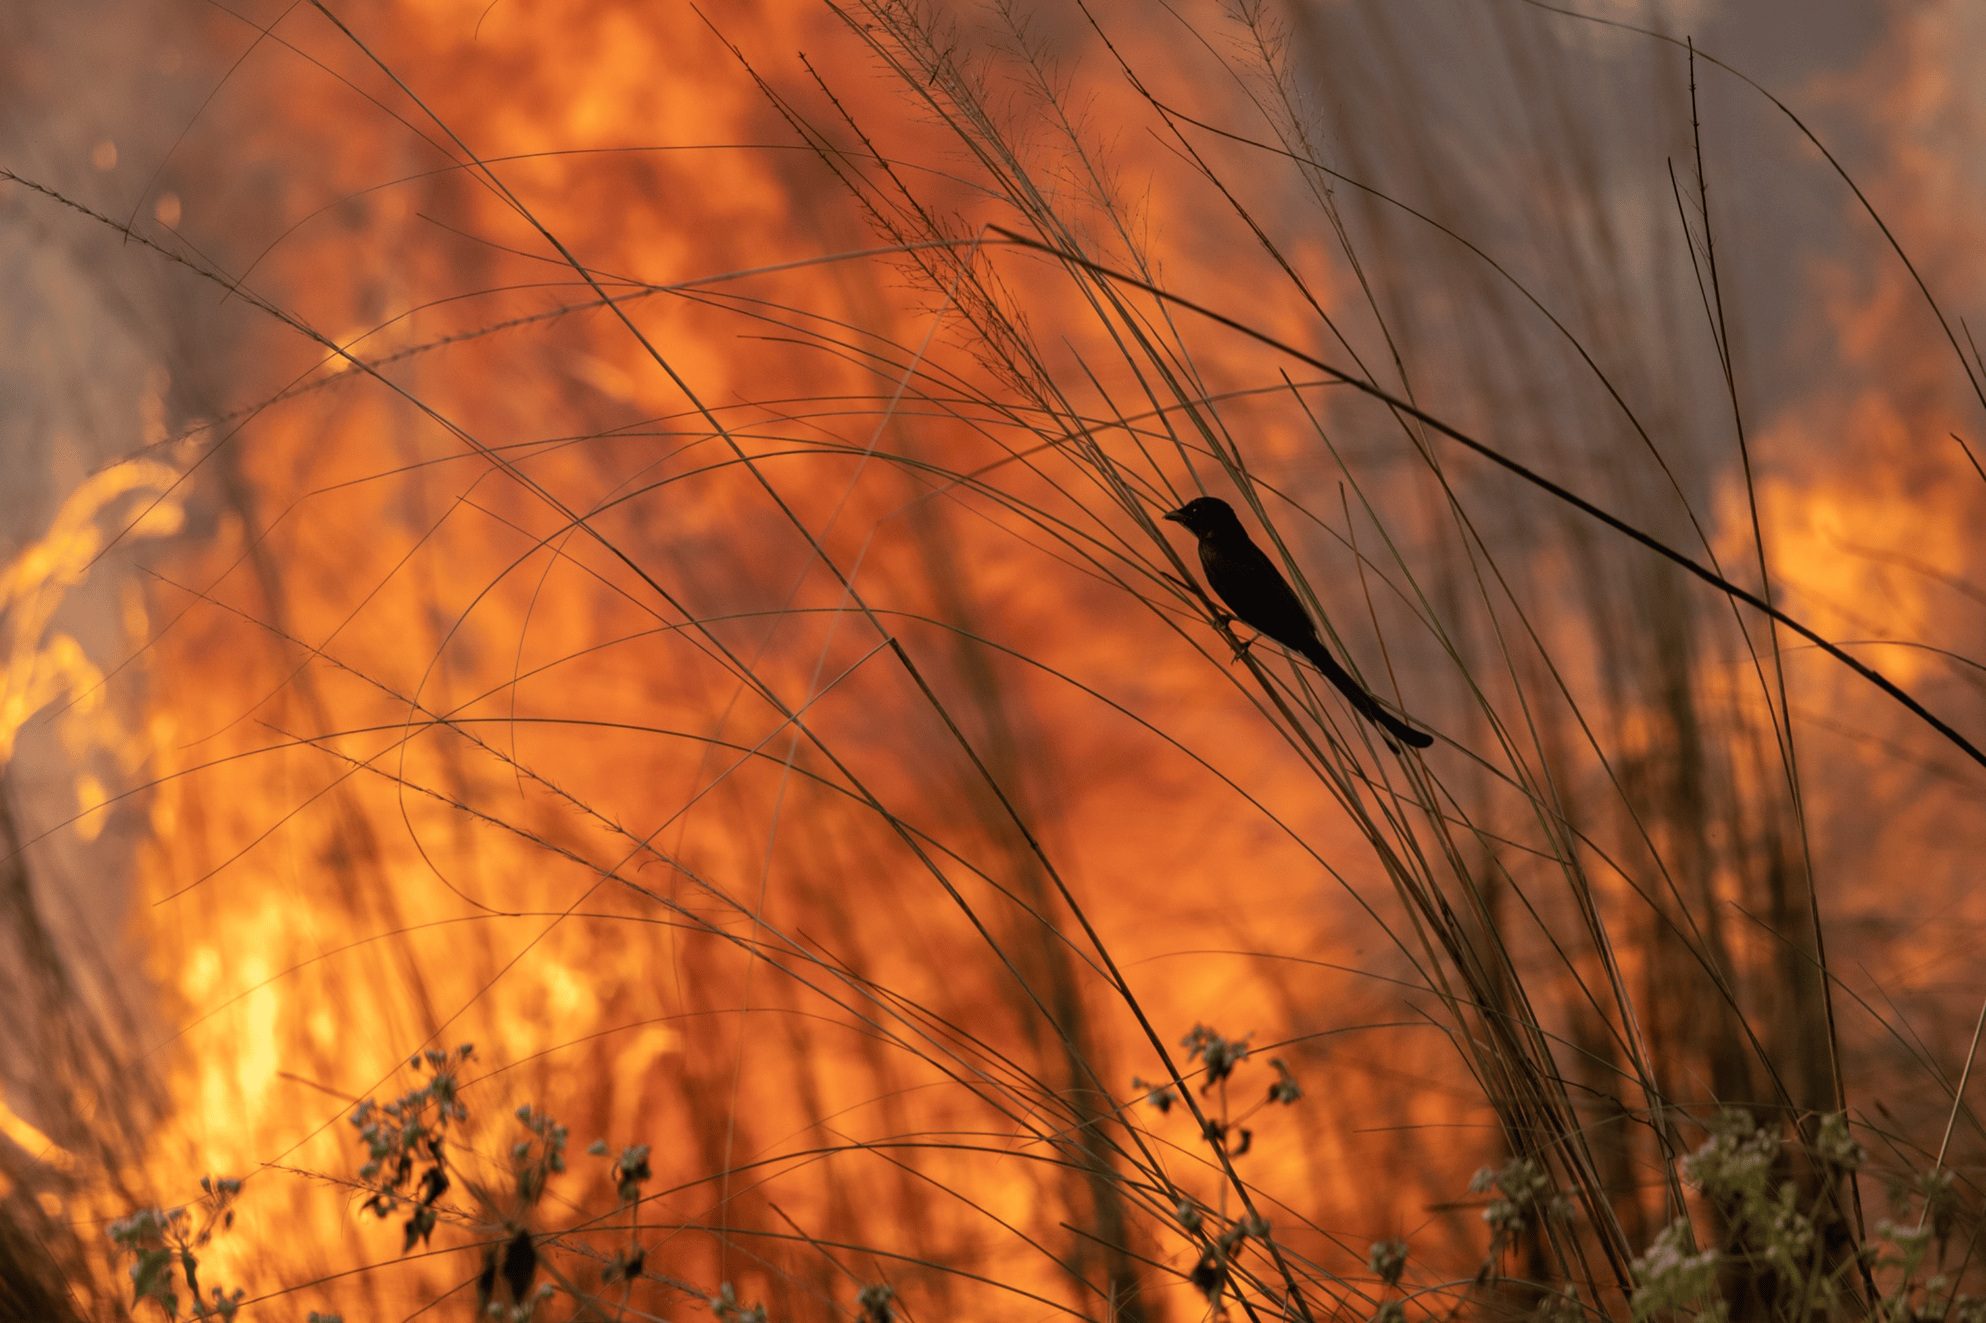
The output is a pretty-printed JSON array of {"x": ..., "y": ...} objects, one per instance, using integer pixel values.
[{"x": 761, "y": 710}]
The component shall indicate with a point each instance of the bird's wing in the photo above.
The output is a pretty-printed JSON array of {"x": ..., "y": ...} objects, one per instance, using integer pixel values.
[{"x": 1254, "y": 589}]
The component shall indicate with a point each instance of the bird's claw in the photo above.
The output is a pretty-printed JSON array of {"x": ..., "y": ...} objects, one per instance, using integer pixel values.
[{"x": 1226, "y": 623}]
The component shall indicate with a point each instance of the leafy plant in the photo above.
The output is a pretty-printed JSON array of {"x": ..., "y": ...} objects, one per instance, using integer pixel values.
[{"x": 164, "y": 1245}]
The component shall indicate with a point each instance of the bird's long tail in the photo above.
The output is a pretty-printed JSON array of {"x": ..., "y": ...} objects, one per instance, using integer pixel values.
[{"x": 1368, "y": 707}]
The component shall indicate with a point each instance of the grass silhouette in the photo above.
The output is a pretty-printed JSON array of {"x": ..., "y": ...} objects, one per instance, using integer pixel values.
[{"x": 682, "y": 769}]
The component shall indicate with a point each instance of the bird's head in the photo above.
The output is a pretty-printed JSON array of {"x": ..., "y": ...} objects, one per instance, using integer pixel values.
[{"x": 1206, "y": 516}]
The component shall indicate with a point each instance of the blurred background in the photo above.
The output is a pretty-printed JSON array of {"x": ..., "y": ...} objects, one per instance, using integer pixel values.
[{"x": 562, "y": 528}]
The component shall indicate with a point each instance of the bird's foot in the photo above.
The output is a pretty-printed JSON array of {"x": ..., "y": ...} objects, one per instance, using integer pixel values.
[{"x": 1226, "y": 623}]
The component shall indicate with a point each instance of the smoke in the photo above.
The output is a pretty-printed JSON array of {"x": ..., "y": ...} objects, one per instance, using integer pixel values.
[{"x": 536, "y": 526}]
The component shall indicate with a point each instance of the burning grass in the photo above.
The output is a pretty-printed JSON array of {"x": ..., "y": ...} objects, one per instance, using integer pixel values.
[{"x": 682, "y": 770}]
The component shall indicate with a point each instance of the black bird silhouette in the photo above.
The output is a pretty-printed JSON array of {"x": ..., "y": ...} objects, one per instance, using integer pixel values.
[{"x": 1242, "y": 576}]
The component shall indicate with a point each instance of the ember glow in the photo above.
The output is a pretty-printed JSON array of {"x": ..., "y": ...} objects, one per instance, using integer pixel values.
[{"x": 602, "y": 594}]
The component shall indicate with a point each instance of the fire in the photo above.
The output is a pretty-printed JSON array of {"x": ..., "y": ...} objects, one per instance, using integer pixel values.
[
  {"x": 45, "y": 663},
  {"x": 653, "y": 633}
]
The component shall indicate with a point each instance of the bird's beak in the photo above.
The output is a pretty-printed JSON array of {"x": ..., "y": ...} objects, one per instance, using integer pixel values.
[{"x": 1176, "y": 516}]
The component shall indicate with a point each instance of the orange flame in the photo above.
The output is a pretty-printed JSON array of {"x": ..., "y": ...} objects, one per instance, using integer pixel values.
[{"x": 643, "y": 607}]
